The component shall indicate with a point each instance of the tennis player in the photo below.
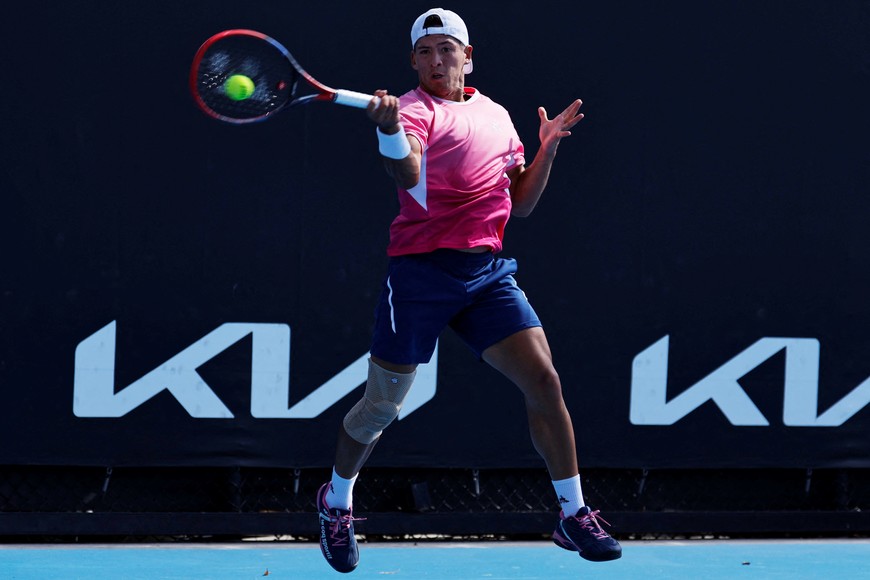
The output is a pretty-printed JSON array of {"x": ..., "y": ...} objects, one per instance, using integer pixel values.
[{"x": 461, "y": 172}]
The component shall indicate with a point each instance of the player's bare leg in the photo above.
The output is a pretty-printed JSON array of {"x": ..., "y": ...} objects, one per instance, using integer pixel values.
[{"x": 525, "y": 359}]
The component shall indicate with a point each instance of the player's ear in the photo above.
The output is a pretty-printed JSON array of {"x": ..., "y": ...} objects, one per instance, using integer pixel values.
[
  {"x": 468, "y": 50},
  {"x": 413, "y": 60}
]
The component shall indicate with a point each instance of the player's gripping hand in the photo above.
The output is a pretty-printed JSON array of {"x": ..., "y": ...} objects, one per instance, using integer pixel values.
[{"x": 385, "y": 112}]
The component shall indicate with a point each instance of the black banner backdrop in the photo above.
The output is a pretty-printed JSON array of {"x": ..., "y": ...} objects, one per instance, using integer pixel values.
[{"x": 700, "y": 259}]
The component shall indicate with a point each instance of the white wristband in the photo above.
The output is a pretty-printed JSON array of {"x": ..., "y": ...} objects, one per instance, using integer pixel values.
[{"x": 394, "y": 146}]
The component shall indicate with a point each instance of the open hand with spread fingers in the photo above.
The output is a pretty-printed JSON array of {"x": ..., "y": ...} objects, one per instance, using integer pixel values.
[{"x": 553, "y": 130}]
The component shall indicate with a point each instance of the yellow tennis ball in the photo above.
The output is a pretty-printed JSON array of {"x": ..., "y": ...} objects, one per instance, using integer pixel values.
[{"x": 239, "y": 87}]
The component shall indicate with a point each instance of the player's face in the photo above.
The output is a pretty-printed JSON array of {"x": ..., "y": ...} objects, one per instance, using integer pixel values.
[{"x": 439, "y": 60}]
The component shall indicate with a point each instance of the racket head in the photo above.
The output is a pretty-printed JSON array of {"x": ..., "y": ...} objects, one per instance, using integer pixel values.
[{"x": 271, "y": 67}]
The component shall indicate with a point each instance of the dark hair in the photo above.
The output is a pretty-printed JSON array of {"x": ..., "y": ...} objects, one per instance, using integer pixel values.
[{"x": 432, "y": 21}]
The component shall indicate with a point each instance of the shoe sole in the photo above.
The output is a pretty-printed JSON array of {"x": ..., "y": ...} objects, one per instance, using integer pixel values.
[
  {"x": 567, "y": 544},
  {"x": 562, "y": 542}
]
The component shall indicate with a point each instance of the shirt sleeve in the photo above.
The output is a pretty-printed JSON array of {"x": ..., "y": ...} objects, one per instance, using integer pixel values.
[{"x": 416, "y": 118}]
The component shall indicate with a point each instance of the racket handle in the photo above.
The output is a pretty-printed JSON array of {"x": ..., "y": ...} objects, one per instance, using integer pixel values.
[{"x": 353, "y": 98}]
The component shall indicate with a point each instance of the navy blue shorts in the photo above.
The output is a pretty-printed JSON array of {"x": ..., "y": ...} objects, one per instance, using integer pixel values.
[{"x": 474, "y": 294}]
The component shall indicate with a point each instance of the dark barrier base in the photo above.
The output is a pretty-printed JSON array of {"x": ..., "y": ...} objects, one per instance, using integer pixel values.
[
  {"x": 88, "y": 503},
  {"x": 17, "y": 527}
]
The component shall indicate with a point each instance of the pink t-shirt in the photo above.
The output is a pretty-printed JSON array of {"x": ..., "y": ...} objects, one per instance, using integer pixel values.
[{"x": 462, "y": 198}]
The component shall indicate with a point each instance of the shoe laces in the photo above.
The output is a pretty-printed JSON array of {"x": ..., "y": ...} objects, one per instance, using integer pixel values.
[
  {"x": 589, "y": 522},
  {"x": 339, "y": 527}
]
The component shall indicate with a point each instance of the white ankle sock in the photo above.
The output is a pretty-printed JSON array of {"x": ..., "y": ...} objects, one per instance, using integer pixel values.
[
  {"x": 340, "y": 493},
  {"x": 569, "y": 494}
]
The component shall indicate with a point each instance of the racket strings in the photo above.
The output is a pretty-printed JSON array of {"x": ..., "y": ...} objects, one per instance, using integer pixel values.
[{"x": 273, "y": 77}]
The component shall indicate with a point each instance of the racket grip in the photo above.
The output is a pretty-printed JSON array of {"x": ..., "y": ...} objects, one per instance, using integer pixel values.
[{"x": 353, "y": 99}]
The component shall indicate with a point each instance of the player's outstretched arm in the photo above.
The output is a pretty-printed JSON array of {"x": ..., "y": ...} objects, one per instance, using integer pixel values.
[{"x": 528, "y": 183}]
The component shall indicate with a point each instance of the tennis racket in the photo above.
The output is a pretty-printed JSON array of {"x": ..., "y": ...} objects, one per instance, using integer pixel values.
[{"x": 243, "y": 76}]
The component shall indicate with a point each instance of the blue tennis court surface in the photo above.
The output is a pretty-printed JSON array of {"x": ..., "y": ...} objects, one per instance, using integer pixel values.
[{"x": 704, "y": 560}]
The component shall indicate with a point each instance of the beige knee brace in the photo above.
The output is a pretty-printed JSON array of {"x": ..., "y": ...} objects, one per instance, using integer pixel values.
[{"x": 385, "y": 392}]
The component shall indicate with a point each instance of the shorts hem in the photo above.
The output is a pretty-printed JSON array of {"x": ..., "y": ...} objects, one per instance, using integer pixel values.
[{"x": 518, "y": 328}]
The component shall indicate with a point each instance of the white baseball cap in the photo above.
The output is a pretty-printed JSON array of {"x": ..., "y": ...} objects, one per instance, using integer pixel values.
[{"x": 441, "y": 22}]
